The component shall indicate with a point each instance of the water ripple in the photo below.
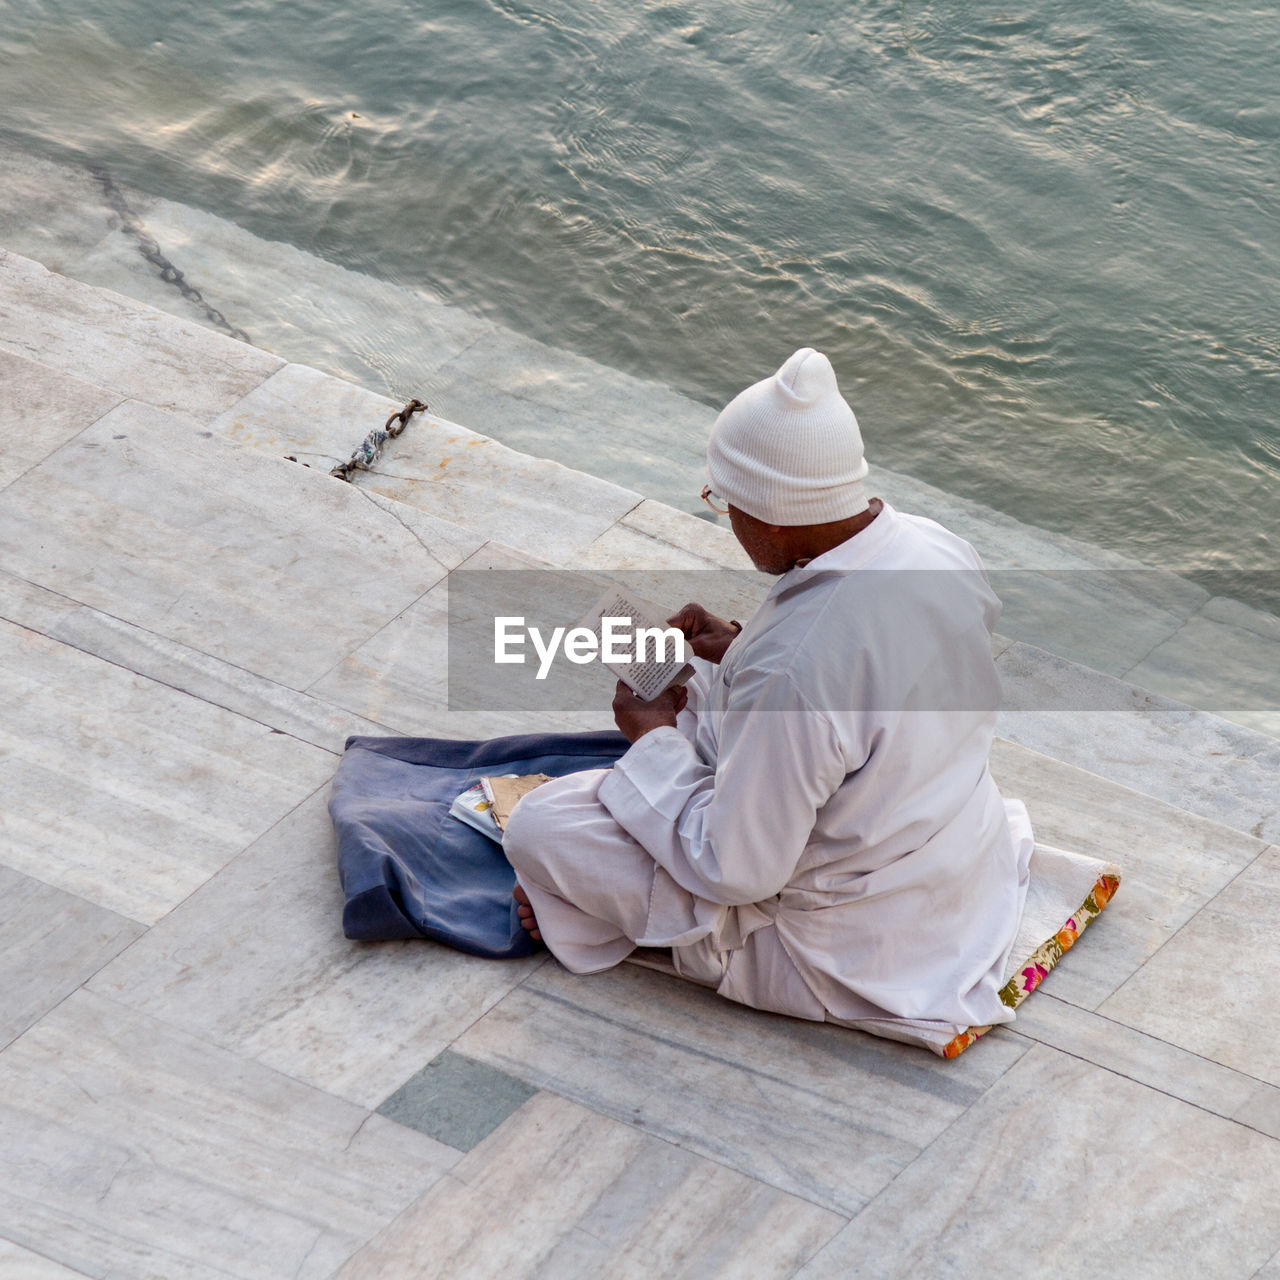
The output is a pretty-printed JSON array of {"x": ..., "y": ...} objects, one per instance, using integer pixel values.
[{"x": 1039, "y": 247}]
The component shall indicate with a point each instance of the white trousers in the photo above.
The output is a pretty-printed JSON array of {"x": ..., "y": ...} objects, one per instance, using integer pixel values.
[{"x": 598, "y": 895}]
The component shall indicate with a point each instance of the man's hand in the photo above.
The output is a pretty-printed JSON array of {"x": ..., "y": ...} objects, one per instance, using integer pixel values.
[
  {"x": 708, "y": 636},
  {"x": 635, "y": 717}
]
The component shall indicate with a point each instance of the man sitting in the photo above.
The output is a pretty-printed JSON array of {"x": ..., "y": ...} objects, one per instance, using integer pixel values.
[{"x": 811, "y": 826}]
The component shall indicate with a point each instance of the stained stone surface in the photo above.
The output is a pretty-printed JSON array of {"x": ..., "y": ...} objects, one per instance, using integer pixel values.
[
  {"x": 1172, "y": 863},
  {"x": 401, "y": 676},
  {"x": 316, "y": 418},
  {"x": 17, "y": 1263},
  {"x": 235, "y": 555},
  {"x": 53, "y": 213},
  {"x": 435, "y": 465},
  {"x": 123, "y": 792},
  {"x": 563, "y": 1191},
  {"x": 539, "y": 399},
  {"x": 1109, "y": 621},
  {"x": 31, "y": 606},
  {"x": 1212, "y": 989},
  {"x": 1114, "y": 728},
  {"x": 806, "y": 1108},
  {"x": 706, "y": 538},
  {"x": 180, "y": 667},
  {"x": 132, "y": 1147},
  {"x": 624, "y": 547},
  {"x": 121, "y": 345},
  {"x": 41, "y": 410},
  {"x": 213, "y": 680},
  {"x": 456, "y": 1100},
  {"x": 50, "y": 942},
  {"x": 1163, "y": 1066},
  {"x": 256, "y": 963},
  {"x": 1065, "y": 1161},
  {"x": 289, "y": 300},
  {"x": 1224, "y": 668}
]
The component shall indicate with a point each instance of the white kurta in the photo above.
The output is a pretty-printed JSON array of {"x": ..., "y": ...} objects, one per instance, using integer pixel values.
[{"x": 821, "y": 835}]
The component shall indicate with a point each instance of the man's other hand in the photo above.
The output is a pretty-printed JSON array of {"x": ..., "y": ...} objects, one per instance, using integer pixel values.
[
  {"x": 635, "y": 717},
  {"x": 708, "y": 636}
]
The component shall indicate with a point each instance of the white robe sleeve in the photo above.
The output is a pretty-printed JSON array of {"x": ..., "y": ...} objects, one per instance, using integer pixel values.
[{"x": 732, "y": 833}]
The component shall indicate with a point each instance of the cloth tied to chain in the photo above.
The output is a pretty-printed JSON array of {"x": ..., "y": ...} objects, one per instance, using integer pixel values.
[{"x": 371, "y": 447}]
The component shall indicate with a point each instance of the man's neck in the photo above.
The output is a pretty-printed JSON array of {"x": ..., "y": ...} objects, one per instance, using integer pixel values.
[{"x": 810, "y": 541}]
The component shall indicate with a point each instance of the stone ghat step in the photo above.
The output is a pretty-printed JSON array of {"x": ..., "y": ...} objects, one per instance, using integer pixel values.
[
  {"x": 1153, "y": 629},
  {"x": 130, "y": 541},
  {"x": 136, "y": 792},
  {"x": 217, "y": 388},
  {"x": 156, "y": 576},
  {"x": 210, "y": 1021},
  {"x": 564, "y": 517},
  {"x": 1112, "y": 727},
  {"x": 320, "y": 608}
]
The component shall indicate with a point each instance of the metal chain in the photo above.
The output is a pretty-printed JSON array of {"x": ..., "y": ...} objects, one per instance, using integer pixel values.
[
  {"x": 134, "y": 227},
  {"x": 371, "y": 447},
  {"x": 367, "y": 454}
]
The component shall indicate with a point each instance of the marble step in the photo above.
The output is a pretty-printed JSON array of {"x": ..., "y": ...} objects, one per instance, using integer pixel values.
[
  {"x": 259, "y": 636},
  {"x": 180, "y": 496},
  {"x": 1149, "y": 628},
  {"x": 280, "y": 994},
  {"x": 480, "y": 491},
  {"x": 1152, "y": 628},
  {"x": 170, "y": 597},
  {"x": 189, "y": 627},
  {"x": 234, "y": 1022},
  {"x": 1113, "y": 728}
]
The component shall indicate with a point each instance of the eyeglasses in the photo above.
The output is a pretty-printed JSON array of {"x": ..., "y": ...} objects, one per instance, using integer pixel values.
[{"x": 713, "y": 500}]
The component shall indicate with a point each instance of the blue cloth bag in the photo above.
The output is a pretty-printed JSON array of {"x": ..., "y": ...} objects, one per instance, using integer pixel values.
[{"x": 408, "y": 869}]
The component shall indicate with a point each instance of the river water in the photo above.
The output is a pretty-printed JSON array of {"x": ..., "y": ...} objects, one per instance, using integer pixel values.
[{"x": 1039, "y": 242}]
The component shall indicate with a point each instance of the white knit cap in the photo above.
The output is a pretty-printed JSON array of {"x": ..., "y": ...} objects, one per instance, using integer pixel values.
[{"x": 787, "y": 450}]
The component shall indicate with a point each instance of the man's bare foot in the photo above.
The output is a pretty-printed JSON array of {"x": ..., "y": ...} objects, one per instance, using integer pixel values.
[{"x": 525, "y": 911}]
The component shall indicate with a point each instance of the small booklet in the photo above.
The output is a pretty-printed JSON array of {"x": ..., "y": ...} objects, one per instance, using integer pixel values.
[
  {"x": 659, "y": 664},
  {"x": 503, "y": 793},
  {"x": 475, "y": 808}
]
